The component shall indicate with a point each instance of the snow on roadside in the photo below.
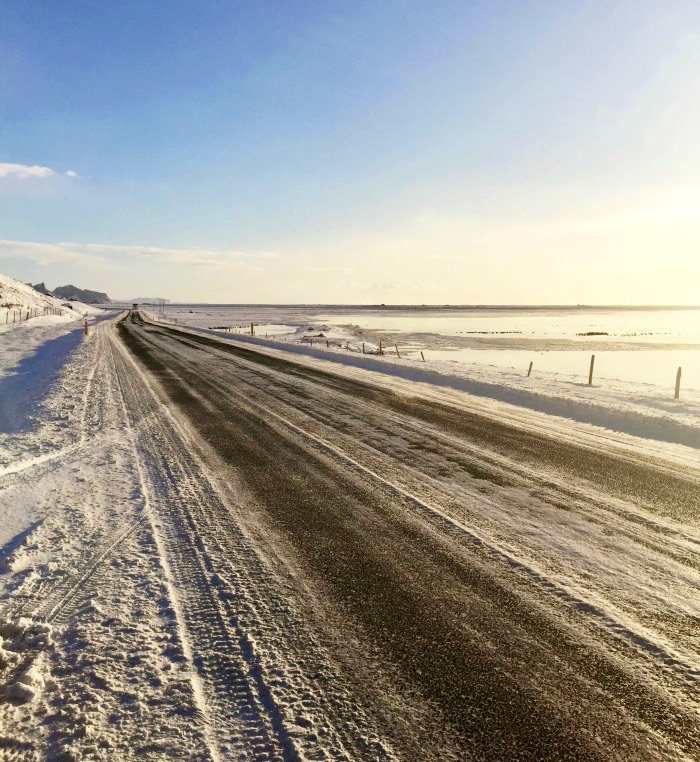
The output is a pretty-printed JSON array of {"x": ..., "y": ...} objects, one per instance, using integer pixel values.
[
  {"x": 33, "y": 351},
  {"x": 83, "y": 617},
  {"x": 637, "y": 409},
  {"x": 33, "y": 359}
]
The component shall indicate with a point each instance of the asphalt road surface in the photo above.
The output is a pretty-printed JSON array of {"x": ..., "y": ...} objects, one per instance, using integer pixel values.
[{"x": 479, "y": 587}]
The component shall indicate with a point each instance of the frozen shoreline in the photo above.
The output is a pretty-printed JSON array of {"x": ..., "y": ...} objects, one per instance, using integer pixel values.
[{"x": 631, "y": 345}]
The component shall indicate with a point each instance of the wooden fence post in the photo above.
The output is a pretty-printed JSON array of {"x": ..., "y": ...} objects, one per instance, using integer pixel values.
[
  {"x": 86, "y": 327},
  {"x": 678, "y": 384},
  {"x": 529, "y": 370},
  {"x": 421, "y": 354},
  {"x": 397, "y": 351},
  {"x": 590, "y": 372}
]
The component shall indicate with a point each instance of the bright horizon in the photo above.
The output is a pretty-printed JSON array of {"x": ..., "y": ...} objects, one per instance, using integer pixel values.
[{"x": 473, "y": 153}]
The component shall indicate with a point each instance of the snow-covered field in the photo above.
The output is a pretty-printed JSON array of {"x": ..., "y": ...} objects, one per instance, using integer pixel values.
[{"x": 29, "y": 322}]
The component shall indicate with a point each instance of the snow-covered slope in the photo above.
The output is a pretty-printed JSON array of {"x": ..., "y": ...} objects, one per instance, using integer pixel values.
[
  {"x": 17, "y": 299},
  {"x": 14, "y": 295}
]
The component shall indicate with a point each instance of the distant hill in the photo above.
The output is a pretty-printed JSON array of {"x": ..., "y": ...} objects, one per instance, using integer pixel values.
[
  {"x": 81, "y": 294},
  {"x": 41, "y": 288}
]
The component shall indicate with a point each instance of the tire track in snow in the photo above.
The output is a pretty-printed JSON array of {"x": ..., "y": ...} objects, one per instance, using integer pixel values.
[
  {"x": 221, "y": 675},
  {"x": 230, "y": 572},
  {"x": 197, "y": 690}
]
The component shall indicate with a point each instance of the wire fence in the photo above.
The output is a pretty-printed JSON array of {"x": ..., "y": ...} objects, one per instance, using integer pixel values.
[{"x": 22, "y": 314}]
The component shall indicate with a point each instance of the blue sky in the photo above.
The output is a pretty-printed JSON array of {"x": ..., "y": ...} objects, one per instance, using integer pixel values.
[{"x": 401, "y": 151}]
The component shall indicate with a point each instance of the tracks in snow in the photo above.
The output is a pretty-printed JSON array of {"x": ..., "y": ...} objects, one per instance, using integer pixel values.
[
  {"x": 89, "y": 572},
  {"x": 254, "y": 662}
]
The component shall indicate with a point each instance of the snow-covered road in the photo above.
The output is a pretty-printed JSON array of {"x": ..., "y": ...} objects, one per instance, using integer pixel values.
[{"x": 230, "y": 555}]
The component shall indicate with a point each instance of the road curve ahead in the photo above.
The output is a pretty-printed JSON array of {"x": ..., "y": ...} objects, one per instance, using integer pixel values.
[{"x": 405, "y": 577}]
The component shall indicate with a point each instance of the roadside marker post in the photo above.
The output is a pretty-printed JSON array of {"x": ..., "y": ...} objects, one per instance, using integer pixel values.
[
  {"x": 529, "y": 370},
  {"x": 397, "y": 351},
  {"x": 363, "y": 347},
  {"x": 678, "y": 383},
  {"x": 421, "y": 354},
  {"x": 590, "y": 372},
  {"x": 86, "y": 327}
]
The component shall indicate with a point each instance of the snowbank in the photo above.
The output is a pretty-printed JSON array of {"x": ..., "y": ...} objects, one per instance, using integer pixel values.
[
  {"x": 21, "y": 645},
  {"x": 33, "y": 351}
]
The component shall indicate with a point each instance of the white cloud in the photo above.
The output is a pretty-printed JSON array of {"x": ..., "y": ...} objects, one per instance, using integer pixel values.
[
  {"x": 25, "y": 171},
  {"x": 102, "y": 255},
  {"x": 30, "y": 171},
  {"x": 47, "y": 253},
  {"x": 217, "y": 259}
]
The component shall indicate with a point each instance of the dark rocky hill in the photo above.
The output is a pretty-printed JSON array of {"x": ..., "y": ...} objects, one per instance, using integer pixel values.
[
  {"x": 41, "y": 288},
  {"x": 81, "y": 294}
]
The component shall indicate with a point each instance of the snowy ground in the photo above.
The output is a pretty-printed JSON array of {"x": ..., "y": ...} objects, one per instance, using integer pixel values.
[
  {"x": 77, "y": 656},
  {"x": 144, "y": 614},
  {"x": 110, "y": 611}
]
